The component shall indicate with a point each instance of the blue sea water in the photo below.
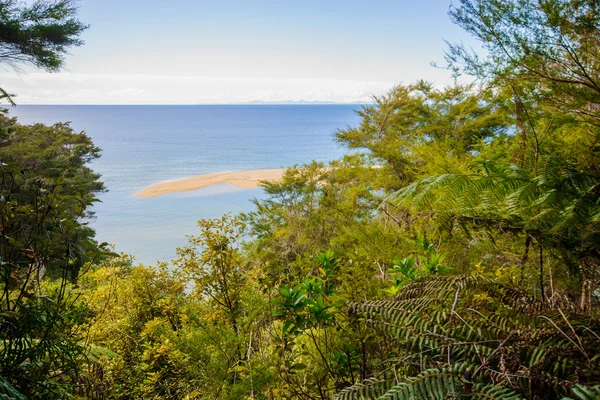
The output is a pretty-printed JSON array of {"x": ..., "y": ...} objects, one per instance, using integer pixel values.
[{"x": 142, "y": 145}]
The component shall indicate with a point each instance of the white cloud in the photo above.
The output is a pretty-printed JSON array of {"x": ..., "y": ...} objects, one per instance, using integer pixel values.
[
  {"x": 127, "y": 92},
  {"x": 79, "y": 88}
]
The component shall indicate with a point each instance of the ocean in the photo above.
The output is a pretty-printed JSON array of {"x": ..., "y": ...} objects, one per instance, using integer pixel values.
[{"x": 143, "y": 145}]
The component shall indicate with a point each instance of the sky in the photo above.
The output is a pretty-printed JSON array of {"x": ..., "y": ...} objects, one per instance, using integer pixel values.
[{"x": 220, "y": 52}]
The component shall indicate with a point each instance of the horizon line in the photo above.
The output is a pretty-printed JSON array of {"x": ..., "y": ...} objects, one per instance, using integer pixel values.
[{"x": 251, "y": 103}]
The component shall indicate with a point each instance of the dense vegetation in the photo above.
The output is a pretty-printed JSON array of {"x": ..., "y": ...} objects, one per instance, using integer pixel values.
[{"x": 453, "y": 253}]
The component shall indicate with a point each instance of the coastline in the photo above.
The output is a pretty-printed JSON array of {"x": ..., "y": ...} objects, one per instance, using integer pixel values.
[{"x": 242, "y": 179}]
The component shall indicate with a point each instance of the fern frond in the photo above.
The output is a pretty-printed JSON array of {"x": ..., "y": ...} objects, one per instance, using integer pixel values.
[
  {"x": 8, "y": 392},
  {"x": 494, "y": 392},
  {"x": 443, "y": 321},
  {"x": 581, "y": 392},
  {"x": 368, "y": 389},
  {"x": 430, "y": 384},
  {"x": 559, "y": 204}
]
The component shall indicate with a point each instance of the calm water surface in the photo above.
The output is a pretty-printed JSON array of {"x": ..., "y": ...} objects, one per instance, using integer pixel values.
[{"x": 142, "y": 145}]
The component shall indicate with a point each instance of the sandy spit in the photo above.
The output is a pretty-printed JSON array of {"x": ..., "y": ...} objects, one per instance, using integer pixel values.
[{"x": 242, "y": 179}]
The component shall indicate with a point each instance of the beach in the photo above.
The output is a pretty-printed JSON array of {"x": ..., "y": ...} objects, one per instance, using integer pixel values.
[
  {"x": 146, "y": 145},
  {"x": 242, "y": 179}
]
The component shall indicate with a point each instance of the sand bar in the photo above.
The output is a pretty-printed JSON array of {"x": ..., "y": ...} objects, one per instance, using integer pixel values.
[{"x": 242, "y": 179}]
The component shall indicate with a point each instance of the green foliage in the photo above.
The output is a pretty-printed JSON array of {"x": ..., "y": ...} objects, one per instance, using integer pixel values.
[
  {"x": 46, "y": 190},
  {"x": 433, "y": 383},
  {"x": 430, "y": 384},
  {"x": 310, "y": 304},
  {"x": 309, "y": 313},
  {"x": 558, "y": 204},
  {"x": 197, "y": 328},
  {"x": 314, "y": 208},
  {"x": 416, "y": 128},
  {"x": 506, "y": 337},
  {"x": 476, "y": 189},
  {"x": 215, "y": 265},
  {"x": 427, "y": 262},
  {"x": 8, "y": 392},
  {"x": 39, "y": 345},
  {"x": 428, "y": 290},
  {"x": 144, "y": 305},
  {"x": 553, "y": 44},
  {"x": 581, "y": 392},
  {"x": 558, "y": 207}
]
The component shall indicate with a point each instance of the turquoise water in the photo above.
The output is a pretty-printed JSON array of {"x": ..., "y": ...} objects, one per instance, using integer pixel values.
[{"x": 142, "y": 145}]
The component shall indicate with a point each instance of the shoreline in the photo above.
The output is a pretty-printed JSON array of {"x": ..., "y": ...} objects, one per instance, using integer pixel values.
[{"x": 242, "y": 179}]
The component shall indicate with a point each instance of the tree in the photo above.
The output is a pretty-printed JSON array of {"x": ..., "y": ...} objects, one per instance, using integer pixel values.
[
  {"x": 545, "y": 188},
  {"x": 415, "y": 128},
  {"x": 230, "y": 313},
  {"x": 547, "y": 53},
  {"x": 38, "y": 34},
  {"x": 551, "y": 42},
  {"x": 215, "y": 265},
  {"x": 46, "y": 190}
]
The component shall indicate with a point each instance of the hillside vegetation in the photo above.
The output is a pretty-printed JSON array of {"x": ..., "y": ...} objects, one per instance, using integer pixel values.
[{"x": 453, "y": 253}]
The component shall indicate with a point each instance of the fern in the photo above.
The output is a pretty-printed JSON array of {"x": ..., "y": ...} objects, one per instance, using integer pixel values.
[
  {"x": 370, "y": 388},
  {"x": 430, "y": 384},
  {"x": 494, "y": 392},
  {"x": 581, "y": 392},
  {"x": 8, "y": 392},
  {"x": 514, "y": 343},
  {"x": 433, "y": 383},
  {"x": 559, "y": 206}
]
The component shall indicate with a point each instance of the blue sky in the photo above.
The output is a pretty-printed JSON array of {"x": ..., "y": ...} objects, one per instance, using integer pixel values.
[{"x": 191, "y": 52}]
